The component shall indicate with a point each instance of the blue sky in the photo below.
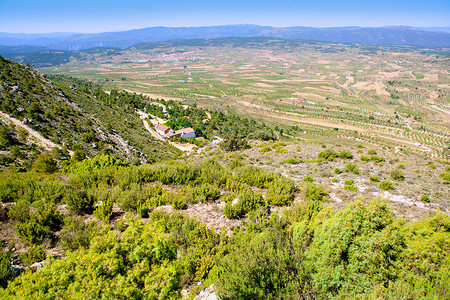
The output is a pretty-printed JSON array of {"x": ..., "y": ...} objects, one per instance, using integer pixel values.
[{"x": 39, "y": 16}]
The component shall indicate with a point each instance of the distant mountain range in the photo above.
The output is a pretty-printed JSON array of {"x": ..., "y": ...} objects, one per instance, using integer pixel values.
[{"x": 392, "y": 35}]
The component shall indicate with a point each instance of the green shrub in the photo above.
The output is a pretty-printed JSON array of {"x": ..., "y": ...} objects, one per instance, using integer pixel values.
[
  {"x": 104, "y": 211},
  {"x": 32, "y": 230},
  {"x": 365, "y": 158},
  {"x": 401, "y": 166},
  {"x": 265, "y": 149},
  {"x": 32, "y": 255},
  {"x": 143, "y": 212},
  {"x": 374, "y": 178},
  {"x": 281, "y": 192},
  {"x": 34, "y": 224},
  {"x": 238, "y": 205},
  {"x": 76, "y": 233},
  {"x": 351, "y": 167},
  {"x": 386, "y": 185},
  {"x": 308, "y": 178},
  {"x": 334, "y": 180},
  {"x": 45, "y": 164},
  {"x": 236, "y": 163},
  {"x": 345, "y": 154},
  {"x": 328, "y": 154},
  {"x": 397, "y": 175},
  {"x": 5, "y": 267},
  {"x": 178, "y": 203},
  {"x": 377, "y": 159},
  {"x": 293, "y": 161},
  {"x": 349, "y": 182},
  {"x": 79, "y": 200},
  {"x": 280, "y": 150},
  {"x": 337, "y": 171},
  {"x": 445, "y": 175},
  {"x": 351, "y": 187},
  {"x": 425, "y": 198}
]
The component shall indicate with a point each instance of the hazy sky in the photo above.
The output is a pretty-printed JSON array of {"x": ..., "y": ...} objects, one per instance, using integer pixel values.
[{"x": 32, "y": 16}]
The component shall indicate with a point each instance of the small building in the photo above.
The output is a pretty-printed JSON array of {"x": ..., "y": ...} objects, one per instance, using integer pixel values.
[
  {"x": 163, "y": 129},
  {"x": 173, "y": 134},
  {"x": 187, "y": 133}
]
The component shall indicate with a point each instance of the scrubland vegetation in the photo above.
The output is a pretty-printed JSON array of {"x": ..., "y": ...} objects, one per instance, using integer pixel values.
[{"x": 265, "y": 206}]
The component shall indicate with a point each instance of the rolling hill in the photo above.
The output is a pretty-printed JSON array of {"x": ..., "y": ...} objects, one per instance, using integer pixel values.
[{"x": 393, "y": 35}]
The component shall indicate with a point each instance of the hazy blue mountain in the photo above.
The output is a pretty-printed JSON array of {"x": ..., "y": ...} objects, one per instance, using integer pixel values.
[{"x": 393, "y": 35}]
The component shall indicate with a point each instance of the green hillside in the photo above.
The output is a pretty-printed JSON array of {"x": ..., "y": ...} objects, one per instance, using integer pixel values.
[{"x": 93, "y": 206}]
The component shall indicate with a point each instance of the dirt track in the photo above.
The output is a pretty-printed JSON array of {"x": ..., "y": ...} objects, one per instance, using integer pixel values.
[{"x": 38, "y": 138}]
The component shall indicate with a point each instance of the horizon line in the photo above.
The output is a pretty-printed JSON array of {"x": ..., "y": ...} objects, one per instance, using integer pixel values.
[{"x": 241, "y": 24}]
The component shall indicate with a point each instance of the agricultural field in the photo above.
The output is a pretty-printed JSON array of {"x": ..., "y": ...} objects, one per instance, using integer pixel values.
[{"x": 393, "y": 97}]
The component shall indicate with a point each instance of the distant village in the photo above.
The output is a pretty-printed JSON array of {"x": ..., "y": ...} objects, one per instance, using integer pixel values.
[{"x": 168, "y": 133}]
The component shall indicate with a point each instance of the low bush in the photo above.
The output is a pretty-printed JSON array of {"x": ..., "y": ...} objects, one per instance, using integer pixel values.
[
  {"x": 425, "y": 198},
  {"x": 328, "y": 154},
  {"x": 104, "y": 211},
  {"x": 32, "y": 255},
  {"x": 386, "y": 185},
  {"x": 346, "y": 154},
  {"x": 239, "y": 205},
  {"x": 308, "y": 178},
  {"x": 445, "y": 175},
  {"x": 79, "y": 200},
  {"x": 351, "y": 167},
  {"x": 281, "y": 192},
  {"x": 397, "y": 175}
]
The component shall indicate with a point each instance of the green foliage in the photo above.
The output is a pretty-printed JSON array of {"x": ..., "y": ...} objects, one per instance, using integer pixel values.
[
  {"x": 234, "y": 142},
  {"x": 32, "y": 230},
  {"x": 45, "y": 164},
  {"x": 351, "y": 167},
  {"x": 138, "y": 264},
  {"x": 6, "y": 273},
  {"x": 351, "y": 187},
  {"x": 280, "y": 150},
  {"x": 308, "y": 178},
  {"x": 6, "y": 139},
  {"x": 337, "y": 171},
  {"x": 293, "y": 161},
  {"x": 104, "y": 211},
  {"x": 98, "y": 162},
  {"x": 80, "y": 200},
  {"x": 359, "y": 244},
  {"x": 386, "y": 185},
  {"x": 328, "y": 154},
  {"x": 377, "y": 159},
  {"x": 431, "y": 165},
  {"x": 32, "y": 255},
  {"x": 315, "y": 196},
  {"x": 345, "y": 154},
  {"x": 76, "y": 233},
  {"x": 281, "y": 192},
  {"x": 397, "y": 175},
  {"x": 374, "y": 178},
  {"x": 262, "y": 266},
  {"x": 425, "y": 198},
  {"x": 349, "y": 182},
  {"x": 445, "y": 175},
  {"x": 34, "y": 225},
  {"x": 238, "y": 205}
]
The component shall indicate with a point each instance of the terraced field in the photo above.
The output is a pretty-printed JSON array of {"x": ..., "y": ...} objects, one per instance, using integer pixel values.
[{"x": 394, "y": 97}]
